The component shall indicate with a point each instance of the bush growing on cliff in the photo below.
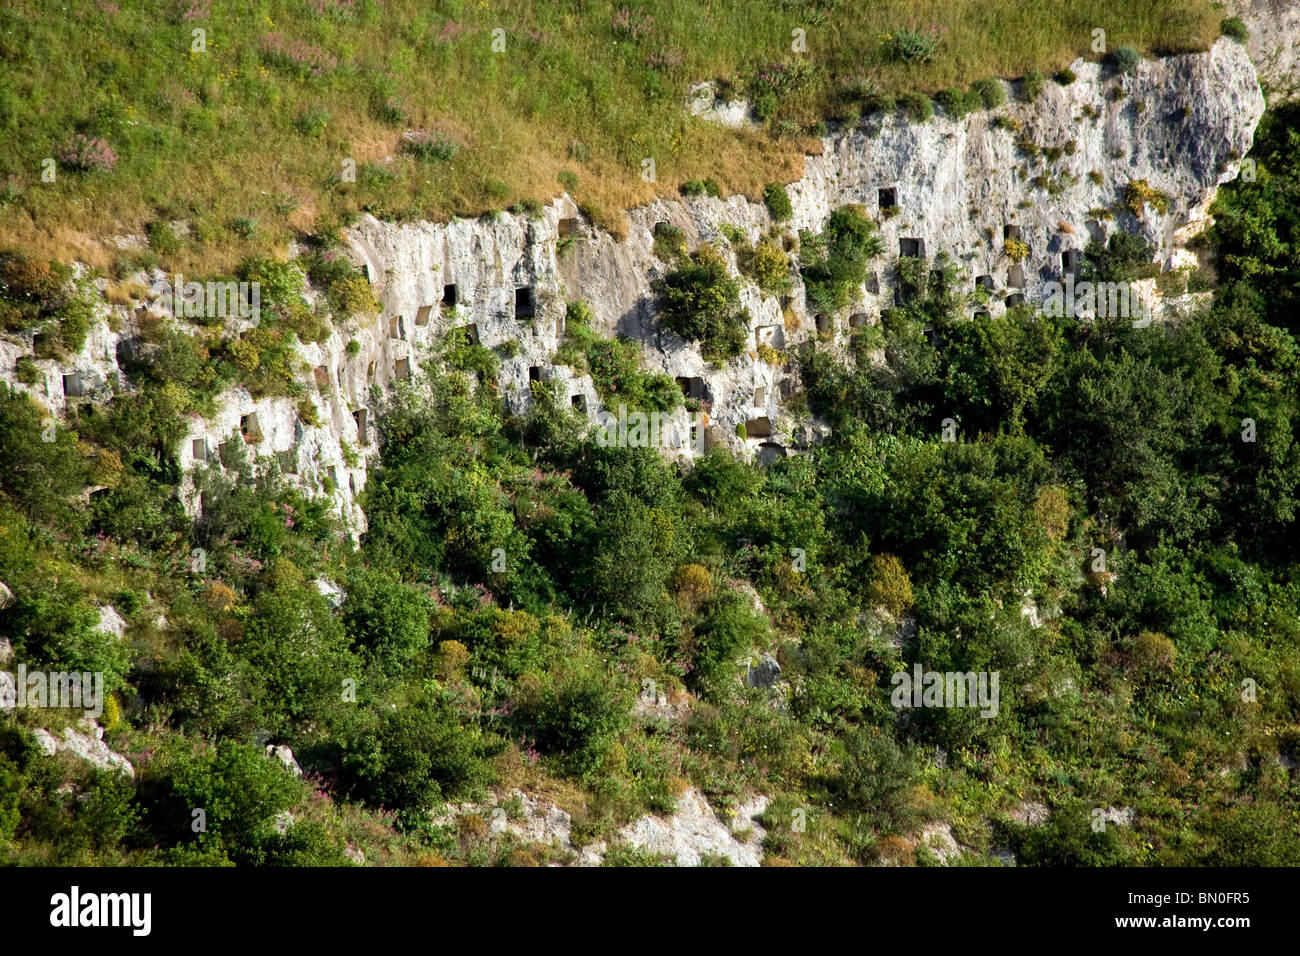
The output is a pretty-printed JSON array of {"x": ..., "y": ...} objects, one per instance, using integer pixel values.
[
  {"x": 835, "y": 268},
  {"x": 1124, "y": 258},
  {"x": 414, "y": 757},
  {"x": 917, "y": 106},
  {"x": 1124, "y": 59},
  {"x": 614, "y": 366},
  {"x": 778, "y": 202},
  {"x": 768, "y": 265},
  {"x": 1234, "y": 28},
  {"x": 990, "y": 91},
  {"x": 386, "y": 617},
  {"x": 957, "y": 103},
  {"x": 700, "y": 302},
  {"x": 576, "y": 717}
]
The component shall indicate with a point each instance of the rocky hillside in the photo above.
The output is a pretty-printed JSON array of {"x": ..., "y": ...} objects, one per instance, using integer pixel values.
[
  {"x": 364, "y": 584},
  {"x": 1053, "y": 173}
]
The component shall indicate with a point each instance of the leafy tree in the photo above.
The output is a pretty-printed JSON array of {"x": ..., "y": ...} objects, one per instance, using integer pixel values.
[
  {"x": 576, "y": 716},
  {"x": 241, "y": 790},
  {"x": 413, "y": 756},
  {"x": 386, "y": 617},
  {"x": 997, "y": 367}
]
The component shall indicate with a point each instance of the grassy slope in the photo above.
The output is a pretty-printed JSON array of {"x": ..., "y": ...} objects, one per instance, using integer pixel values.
[{"x": 212, "y": 137}]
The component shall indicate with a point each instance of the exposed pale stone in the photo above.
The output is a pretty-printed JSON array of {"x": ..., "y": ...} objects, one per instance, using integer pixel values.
[
  {"x": 110, "y": 622},
  {"x": 330, "y": 591},
  {"x": 8, "y": 690},
  {"x": 90, "y": 748},
  {"x": 695, "y": 830},
  {"x": 285, "y": 756},
  {"x": 939, "y": 839}
]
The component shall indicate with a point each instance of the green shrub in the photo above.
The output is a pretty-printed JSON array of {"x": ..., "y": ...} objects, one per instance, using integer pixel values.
[
  {"x": 279, "y": 283},
  {"x": 1064, "y": 77},
  {"x": 30, "y": 290},
  {"x": 353, "y": 296},
  {"x": 834, "y": 267},
  {"x": 735, "y": 235},
  {"x": 614, "y": 366},
  {"x": 576, "y": 717},
  {"x": 569, "y": 180},
  {"x": 1068, "y": 839},
  {"x": 768, "y": 265},
  {"x": 729, "y": 627},
  {"x": 669, "y": 242},
  {"x": 12, "y": 784},
  {"x": 312, "y": 121},
  {"x": 1124, "y": 258},
  {"x": 386, "y": 618},
  {"x": 882, "y": 101},
  {"x": 917, "y": 106},
  {"x": 778, "y": 202},
  {"x": 532, "y": 208},
  {"x": 461, "y": 353},
  {"x": 240, "y": 790},
  {"x": 25, "y": 370},
  {"x": 430, "y": 146},
  {"x": 162, "y": 238},
  {"x": 890, "y": 586},
  {"x": 39, "y": 475},
  {"x": 1139, "y": 194},
  {"x": 957, "y": 103},
  {"x": 911, "y": 45},
  {"x": 991, "y": 92},
  {"x": 699, "y": 301},
  {"x": 696, "y": 187},
  {"x": 1124, "y": 59},
  {"x": 875, "y": 776},
  {"x": 244, "y": 227}
]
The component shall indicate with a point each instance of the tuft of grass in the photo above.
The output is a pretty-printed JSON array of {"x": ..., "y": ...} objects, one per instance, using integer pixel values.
[
  {"x": 917, "y": 106},
  {"x": 1235, "y": 29},
  {"x": 1139, "y": 194},
  {"x": 990, "y": 91},
  {"x": 1031, "y": 88}
]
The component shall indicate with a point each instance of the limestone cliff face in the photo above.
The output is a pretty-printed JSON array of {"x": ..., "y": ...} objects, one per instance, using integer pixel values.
[
  {"x": 954, "y": 187},
  {"x": 959, "y": 188},
  {"x": 1274, "y": 43}
]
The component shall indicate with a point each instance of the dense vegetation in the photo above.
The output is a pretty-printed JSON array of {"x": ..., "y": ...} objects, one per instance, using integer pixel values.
[{"x": 519, "y": 584}]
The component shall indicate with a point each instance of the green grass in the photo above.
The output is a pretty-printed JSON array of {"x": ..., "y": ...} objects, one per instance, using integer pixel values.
[{"x": 250, "y": 145}]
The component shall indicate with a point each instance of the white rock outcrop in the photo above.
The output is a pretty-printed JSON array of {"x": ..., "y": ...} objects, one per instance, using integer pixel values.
[
  {"x": 285, "y": 756},
  {"x": 695, "y": 831},
  {"x": 88, "y": 746}
]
